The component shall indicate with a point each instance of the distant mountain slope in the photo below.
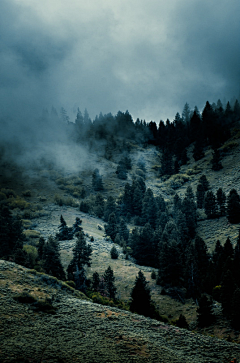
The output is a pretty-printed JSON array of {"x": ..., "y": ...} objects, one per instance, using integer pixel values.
[{"x": 72, "y": 329}]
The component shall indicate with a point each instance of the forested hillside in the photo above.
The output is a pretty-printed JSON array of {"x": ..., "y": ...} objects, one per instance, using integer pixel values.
[{"x": 163, "y": 197}]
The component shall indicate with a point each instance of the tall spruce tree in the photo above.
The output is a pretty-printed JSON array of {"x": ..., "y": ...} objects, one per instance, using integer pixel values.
[
  {"x": 109, "y": 282},
  {"x": 141, "y": 297},
  {"x": 210, "y": 205},
  {"x": 52, "y": 261},
  {"x": 81, "y": 257},
  {"x": 233, "y": 206},
  {"x": 221, "y": 200}
]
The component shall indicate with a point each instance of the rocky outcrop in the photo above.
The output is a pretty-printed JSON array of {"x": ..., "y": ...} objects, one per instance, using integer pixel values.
[{"x": 76, "y": 330}]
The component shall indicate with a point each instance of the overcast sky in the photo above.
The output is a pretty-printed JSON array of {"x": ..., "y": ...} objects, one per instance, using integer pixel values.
[{"x": 150, "y": 57}]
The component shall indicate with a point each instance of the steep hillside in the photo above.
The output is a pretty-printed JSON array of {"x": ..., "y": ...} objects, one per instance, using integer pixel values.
[{"x": 71, "y": 328}]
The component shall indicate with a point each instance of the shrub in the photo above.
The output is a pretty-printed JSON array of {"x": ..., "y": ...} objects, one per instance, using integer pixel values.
[
  {"x": 19, "y": 203},
  {"x": 229, "y": 146},
  {"x": 153, "y": 275},
  {"x": 2, "y": 196},
  {"x": 114, "y": 253},
  {"x": 25, "y": 298},
  {"x": 26, "y": 193},
  {"x": 71, "y": 284},
  {"x": 9, "y": 193},
  {"x": 29, "y": 233}
]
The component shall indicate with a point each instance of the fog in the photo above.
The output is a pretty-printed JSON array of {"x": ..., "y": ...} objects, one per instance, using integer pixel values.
[{"x": 147, "y": 57}]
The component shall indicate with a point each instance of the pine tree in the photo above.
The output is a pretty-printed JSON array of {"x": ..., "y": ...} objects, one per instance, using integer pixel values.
[
  {"x": 52, "y": 261},
  {"x": 123, "y": 230},
  {"x": 210, "y": 205},
  {"x": 227, "y": 290},
  {"x": 203, "y": 180},
  {"x": 65, "y": 233},
  {"x": 109, "y": 282},
  {"x": 111, "y": 228},
  {"x": 81, "y": 257},
  {"x": 200, "y": 196},
  {"x": 99, "y": 205},
  {"x": 221, "y": 200},
  {"x": 216, "y": 163},
  {"x": 233, "y": 206},
  {"x": 166, "y": 162},
  {"x": 205, "y": 311},
  {"x": 77, "y": 226},
  {"x": 235, "y": 311},
  {"x": 110, "y": 207},
  {"x": 114, "y": 253},
  {"x": 95, "y": 281},
  {"x": 141, "y": 297},
  {"x": 198, "y": 152},
  {"x": 40, "y": 247}
]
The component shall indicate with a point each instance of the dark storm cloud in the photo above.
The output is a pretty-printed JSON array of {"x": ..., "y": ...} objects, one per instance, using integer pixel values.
[{"x": 147, "y": 57}]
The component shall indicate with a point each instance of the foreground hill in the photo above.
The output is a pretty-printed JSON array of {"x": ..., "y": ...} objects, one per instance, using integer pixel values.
[{"x": 53, "y": 323}]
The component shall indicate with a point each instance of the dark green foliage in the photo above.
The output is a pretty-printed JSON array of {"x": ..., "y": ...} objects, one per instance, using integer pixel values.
[
  {"x": 84, "y": 207},
  {"x": 233, "y": 206},
  {"x": 111, "y": 228},
  {"x": 181, "y": 322},
  {"x": 110, "y": 207},
  {"x": 81, "y": 257},
  {"x": 99, "y": 205},
  {"x": 95, "y": 281},
  {"x": 200, "y": 195},
  {"x": 205, "y": 311},
  {"x": 52, "y": 261},
  {"x": 114, "y": 253},
  {"x": 235, "y": 315},
  {"x": 97, "y": 183},
  {"x": 77, "y": 226},
  {"x": 221, "y": 200},
  {"x": 189, "y": 210},
  {"x": 210, "y": 205},
  {"x": 123, "y": 230},
  {"x": 227, "y": 290},
  {"x": 40, "y": 247},
  {"x": 109, "y": 283},
  {"x": 205, "y": 183},
  {"x": 166, "y": 162},
  {"x": 141, "y": 297},
  {"x": 11, "y": 236},
  {"x": 143, "y": 246},
  {"x": 65, "y": 232},
  {"x": 170, "y": 263},
  {"x": 216, "y": 163},
  {"x": 198, "y": 152}
]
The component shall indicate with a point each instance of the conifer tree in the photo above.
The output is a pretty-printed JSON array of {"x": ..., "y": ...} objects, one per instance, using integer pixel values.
[
  {"x": 235, "y": 311},
  {"x": 110, "y": 207},
  {"x": 114, "y": 253},
  {"x": 200, "y": 196},
  {"x": 141, "y": 297},
  {"x": 123, "y": 230},
  {"x": 99, "y": 205},
  {"x": 198, "y": 152},
  {"x": 40, "y": 247},
  {"x": 210, "y": 205},
  {"x": 216, "y": 163},
  {"x": 111, "y": 228},
  {"x": 227, "y": 290},
  {"x": 109, "y": 282},
  {"x": 203, "y": 180},
  {"x": 233, "y": 206},
  {"x": 95, "y": 281},
  {"x": 65, "y": 232},
  {"x": 52, "y": 262},
  {"x": 77, "y": 226},
  {"x": 221, "y": 200},
  {"x": 81, "y": 257},
  {"x": 205, "y": 311}
]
